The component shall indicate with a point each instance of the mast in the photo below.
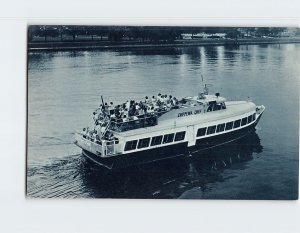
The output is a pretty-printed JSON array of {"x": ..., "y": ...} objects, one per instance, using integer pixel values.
[{"x": 102, "y": 100}]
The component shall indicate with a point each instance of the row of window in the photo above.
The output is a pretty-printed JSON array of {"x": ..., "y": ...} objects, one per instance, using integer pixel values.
[
  {"x": 157, "y": 140},
  {"x": 228, "y": 126},
  {"x": 179, "y": 136}
]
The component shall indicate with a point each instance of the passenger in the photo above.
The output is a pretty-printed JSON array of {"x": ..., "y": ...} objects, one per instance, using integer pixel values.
[
  {"x": 159, "y": 97},
  {"x": 141, "y": 105},
  {"x": 141, "y": 111},
  {"x": 95, "y": 117},
  {"x": 97, "y": 139},
  {"x": 87, "y": 133},
  {"x": 122, "y": 110},
  {"x": 158, "y": 103},
  {"x": 125, "y": 112},
  {"x": 84, "y": 132},
  {"x": 98, "y": 128},
  {"x": 162, "y": 98},
  {"x": 132, "y": 103},
  {"x": 176, "y": 101},
  {"x": 145, "y": 109},
  {"x": 101, "y": 107},
  {"x": 94, "y": 135},
  {"x": 102, "y": 129},
  {"x": 153, "y": 99},
  {"x": 169, "y": 105},
  {"x": 127, "y": 105},
  {"x": 106, "y": 107},
  {"x": 172, "y": 101},
  {"x": 117, "y": 111},
  {"x": 130, "y": 112},
  {"x": 151, "y": 110},
  {"x": 90, "y": 135},
  {"x": 137, "y": 106},
  {"x": 166, "y": 98},
  {"x": 125, "y": 118},
  {"x": 113, "y": 116}
]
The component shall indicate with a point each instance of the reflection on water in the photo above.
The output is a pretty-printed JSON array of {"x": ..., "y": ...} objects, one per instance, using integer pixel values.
[
  {"x": 78, "y": 176},
  {"x": 211, "y": 53},
  {"x": 150, "y": 51}
]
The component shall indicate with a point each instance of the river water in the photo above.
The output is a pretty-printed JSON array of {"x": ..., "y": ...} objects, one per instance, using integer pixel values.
[{"x": 65, "y": 87}]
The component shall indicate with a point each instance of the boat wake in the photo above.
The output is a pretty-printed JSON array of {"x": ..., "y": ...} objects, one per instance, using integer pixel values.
[{"x": 75, "y": 176}]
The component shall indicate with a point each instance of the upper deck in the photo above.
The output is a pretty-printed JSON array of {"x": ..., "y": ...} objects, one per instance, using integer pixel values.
[
  {"x": 194, "y": 115},
  {"x": 162, "y": 110}
]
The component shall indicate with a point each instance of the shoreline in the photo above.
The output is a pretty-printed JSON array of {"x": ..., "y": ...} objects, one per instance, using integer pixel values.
[{"x": 104, "y": 45}]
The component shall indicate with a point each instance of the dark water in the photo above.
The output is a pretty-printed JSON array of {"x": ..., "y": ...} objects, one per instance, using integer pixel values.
[{"x": 65, "y": 87}]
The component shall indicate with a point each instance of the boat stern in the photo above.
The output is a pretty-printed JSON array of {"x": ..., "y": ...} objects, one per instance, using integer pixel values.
[{"x": 86, "y": 144}]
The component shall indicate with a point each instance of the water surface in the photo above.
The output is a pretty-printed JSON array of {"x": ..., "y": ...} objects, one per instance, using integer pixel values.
[{"x": 65, "y": 87}]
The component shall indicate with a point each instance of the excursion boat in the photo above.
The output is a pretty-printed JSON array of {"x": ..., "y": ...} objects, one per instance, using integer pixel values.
[{"x": 167, "y": 128}]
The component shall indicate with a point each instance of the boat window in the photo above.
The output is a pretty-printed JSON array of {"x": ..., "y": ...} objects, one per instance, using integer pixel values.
[
  {"x": 217, "y": 107},
  {"x": 249, "y": 119},
  {"x": 201, "y": 132},
  {"x": 130, "y": 145},
  {"x": 229, "y": 125},
  {"x": 244, "y": 121},
  {"x": 168, "y": 138},
  {"x": 211, "y": 105},
  {"x": 254, "y": 116},
  {"x": 209, "y": 109},
  {"x": 211, "y": 129},
  {"x": 237, "y": 123},
  {"x": 179, "y": 136},
  {"x": 143, "y": 143},
  {"x": 156, "y": 140},
  {"x": 220, "y": 127}
]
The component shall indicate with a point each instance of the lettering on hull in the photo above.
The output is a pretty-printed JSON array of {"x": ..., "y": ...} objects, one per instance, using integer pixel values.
[{"x": 184, "y": 114}]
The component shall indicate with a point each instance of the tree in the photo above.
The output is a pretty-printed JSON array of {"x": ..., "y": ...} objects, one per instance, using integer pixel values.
[
  {"x": 276, "y": 31},
  {"x": 33, "y": 31},
  {"x": 116, "y": 33},
  {"x": 71, "y": 30},
  {"x": 233, "y": 33},
  {"x": 262, "y": 31},
  {"x": 47, "y": 30}
]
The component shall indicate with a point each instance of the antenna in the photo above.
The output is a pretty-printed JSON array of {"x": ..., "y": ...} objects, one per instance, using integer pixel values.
[
  {"x": 206, "y": 89},
  {"x": 202, "y": 77}
]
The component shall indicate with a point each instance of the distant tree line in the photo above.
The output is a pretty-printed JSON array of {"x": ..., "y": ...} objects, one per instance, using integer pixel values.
[{"x": 141, "y": 33}]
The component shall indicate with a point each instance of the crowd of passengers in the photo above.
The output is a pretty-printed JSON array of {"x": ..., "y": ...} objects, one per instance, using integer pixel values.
[{"x": 131, "y": 110}]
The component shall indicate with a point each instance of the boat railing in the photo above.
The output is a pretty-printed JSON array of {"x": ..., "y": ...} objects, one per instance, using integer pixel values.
[
  {"x": 109, "y": 148},
  {"x": 135, "y": 122},
  {"x": 100, "y": 147}
]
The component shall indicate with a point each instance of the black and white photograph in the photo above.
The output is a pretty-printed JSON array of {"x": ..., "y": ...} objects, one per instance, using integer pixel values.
[{"x": 162, "y": 112}]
